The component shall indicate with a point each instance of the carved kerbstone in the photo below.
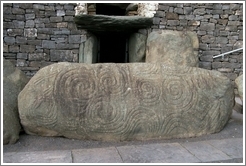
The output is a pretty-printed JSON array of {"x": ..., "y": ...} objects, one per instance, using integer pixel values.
[{"x": 116, "y": 102}]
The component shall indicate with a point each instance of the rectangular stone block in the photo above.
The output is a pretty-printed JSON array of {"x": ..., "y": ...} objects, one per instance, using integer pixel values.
[
  {"x": 50, "y": 13},
  {"x": 173, "y": 22},
  {"x": 30, "y": 24},
  {"x": 62, "y": 32},
  {"x": 210, "y": 53},
  {"x": 30, "y": 16},
  {"x": 62, "y": 25},
  {"x": 61, "y": 55},
  {"x": 18, "y": 11},
  {"x": 74, "y": 39},
  {"x": 38, "y": 57},
  {"x": 43, "y": 36},
  {"x": 21, "y": 55},
  {"x": 41, "y": 20},
  {"x": 14, "y": 48},
  {"x": 70, "y": 13},
  {"x": 38, "y": 6},
  {"x": 66, "y": 46},
  {"x": 205, "y": 65},
  {"x": 27, "y": 48},
  {"x": 26, "y": 5},
  {"x": 21, "y": 63},
  {"x": 34, "y": 42},
  {"x": 207, "y": 26},
  {"x": 216, "y": 65},
  {"x": 60, "y": 13},
  {"x": 18, "y": 24},
  {"x": 68, "y": 18},
  {"x": 48, "y": 44},
  {"x": 30, "y": 32},
  {"x": 51, "y": 25},
  {"x": 69, "y": 7},
  {"x": 21, "y": 40},
  {"x": 56, "y": 19},
  {"x": 9, "y": 40}
]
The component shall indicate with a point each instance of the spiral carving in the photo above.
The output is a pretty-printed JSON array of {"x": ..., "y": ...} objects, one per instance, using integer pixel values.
[
  {"x": 124, "y": 101},
  {"x": 147, "y": 92},
  {"x": 112, "y": 80},
  {"x": 73, "y": 89},
  {"x": 177, "y": 93},
  {"x": 43, "y": 116},
  {"x": 139, "y": 122},
  {"x": 108, "y": 117}
]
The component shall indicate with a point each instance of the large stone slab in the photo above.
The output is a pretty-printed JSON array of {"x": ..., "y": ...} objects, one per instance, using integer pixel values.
[
  {"x": 14, "y": 81},
  {"x": 173, "y": 47},
  {"x": 131, "y": 101},
  {"x": 101, "y": 23}
]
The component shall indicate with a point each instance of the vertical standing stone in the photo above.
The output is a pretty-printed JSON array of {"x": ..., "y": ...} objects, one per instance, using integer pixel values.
[
  {"x": 88, "y": 50},
  {"x": 137, "y": 45},
  {"x": 173, "y": 47}
]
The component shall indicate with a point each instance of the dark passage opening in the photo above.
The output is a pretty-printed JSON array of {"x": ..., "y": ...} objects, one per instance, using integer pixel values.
[
  {"x": 106, "y": 9},
  {"x": 113, "y": 48}
]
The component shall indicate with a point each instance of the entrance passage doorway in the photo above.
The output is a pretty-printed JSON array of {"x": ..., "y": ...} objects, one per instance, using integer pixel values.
[{"x": 113, "y": 48}]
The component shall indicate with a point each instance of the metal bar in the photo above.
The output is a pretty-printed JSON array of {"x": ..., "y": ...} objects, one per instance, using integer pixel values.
[{"x": 227, "y": 53}]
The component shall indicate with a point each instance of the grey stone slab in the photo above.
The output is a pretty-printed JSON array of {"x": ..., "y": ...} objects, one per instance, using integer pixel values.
[
  {"x": 205, "y": 152},
  {"x": 38, "y": 157},
  {"x": 232, "y": 147},
  {"x": 96, "y": 155},
  {"x": 156, "y": 153}
]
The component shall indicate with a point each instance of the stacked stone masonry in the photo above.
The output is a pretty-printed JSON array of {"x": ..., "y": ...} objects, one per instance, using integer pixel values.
[
  {"x": 219, "y": 27},
  {"x": 39, "y": 34}
]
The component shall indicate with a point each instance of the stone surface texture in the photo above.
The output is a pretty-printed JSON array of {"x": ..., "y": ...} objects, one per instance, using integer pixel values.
[
  {"x": 118, "y": 102},
  {"x": 239, "y": 84},
  {"x": 14, "y": 81},
  {"x": 173, "y": 47},
  {"x": 147, "y": 9},
  {"x": 137, "y": 47},
  {"x": 88, "y": 50},
  {"x": 112, "y": 23}
]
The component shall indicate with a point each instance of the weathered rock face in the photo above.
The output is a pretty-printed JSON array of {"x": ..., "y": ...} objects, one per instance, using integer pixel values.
[
  {"x": 88, "y": 51},
  {"x": 239, "y": 84},
  {"x": 173, "y": 47},
  {"x": 14, "y": 81},
  {"x": 102, "y": 23},
  {"x": 137, "y": 45},
  {"x": 131, "y": 101}
]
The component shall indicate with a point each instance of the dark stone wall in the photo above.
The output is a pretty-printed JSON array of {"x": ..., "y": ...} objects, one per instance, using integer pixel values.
[
  {"x": 38, "y": 34},
  {"x": 219, "y": 27}
]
